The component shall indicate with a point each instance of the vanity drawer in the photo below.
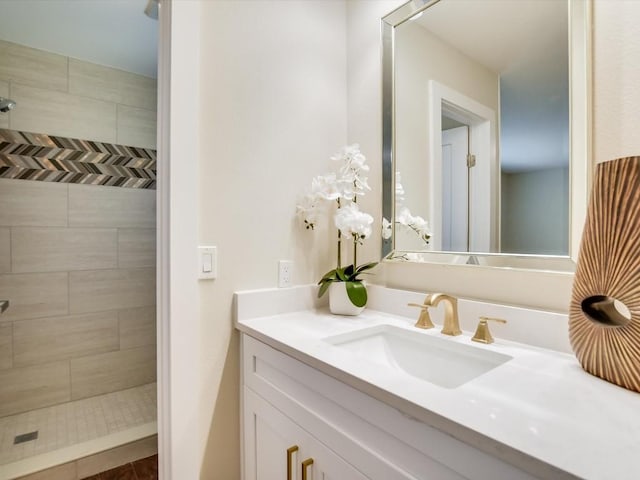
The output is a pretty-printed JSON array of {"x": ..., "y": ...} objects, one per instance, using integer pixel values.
[{"x": 360, "y": 427}]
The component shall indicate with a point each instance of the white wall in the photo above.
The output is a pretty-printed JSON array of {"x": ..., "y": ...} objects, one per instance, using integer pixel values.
[{"x": 273, "y": 110}]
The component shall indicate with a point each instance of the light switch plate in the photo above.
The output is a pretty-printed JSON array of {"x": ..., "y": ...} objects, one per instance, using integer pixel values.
[{"x": 207, "y": 263}]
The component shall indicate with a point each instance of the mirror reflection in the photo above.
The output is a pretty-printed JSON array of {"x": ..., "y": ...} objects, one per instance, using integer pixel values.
[{"x": 482, "y": 127}]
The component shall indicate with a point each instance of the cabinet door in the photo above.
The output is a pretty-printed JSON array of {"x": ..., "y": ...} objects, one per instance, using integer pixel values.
[{"x": 269, "y": 434}]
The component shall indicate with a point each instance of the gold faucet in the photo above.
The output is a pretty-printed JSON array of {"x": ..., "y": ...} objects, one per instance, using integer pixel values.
[
  {"x": 424, "y": 320},
  {"x": 483, "y": 335},
  {"x": 451, "y": 323}
]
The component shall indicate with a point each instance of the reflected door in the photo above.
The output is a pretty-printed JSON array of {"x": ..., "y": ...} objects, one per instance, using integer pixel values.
[{"x": 455, "y": 190}]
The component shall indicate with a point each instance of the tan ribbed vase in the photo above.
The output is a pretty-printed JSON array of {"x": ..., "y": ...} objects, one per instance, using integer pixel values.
[{"x": 606, "y": 343}]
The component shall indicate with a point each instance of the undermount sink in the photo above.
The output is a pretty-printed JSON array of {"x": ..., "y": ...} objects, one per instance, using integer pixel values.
[{"x": 440, "y": 361}]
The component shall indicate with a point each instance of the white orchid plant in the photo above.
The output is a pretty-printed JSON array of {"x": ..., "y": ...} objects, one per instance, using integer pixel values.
[
  {"x": 404, "y": 218},
  {"x": 342, "y": 188}
]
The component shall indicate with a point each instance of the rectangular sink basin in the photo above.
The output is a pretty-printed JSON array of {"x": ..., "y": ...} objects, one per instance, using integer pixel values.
[{"x": 436, "y": 360}]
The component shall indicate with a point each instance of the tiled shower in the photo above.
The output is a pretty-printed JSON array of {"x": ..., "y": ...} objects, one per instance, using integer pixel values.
[{"x": 77, "y": 256}]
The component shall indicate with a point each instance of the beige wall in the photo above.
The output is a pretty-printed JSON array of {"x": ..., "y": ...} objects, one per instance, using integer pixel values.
[
  {"x": 77, "y": 262},
  {"x": 273, "y": 85},
  {"x": 616, "y": 79},
  {"x": 58, "y": 95}
]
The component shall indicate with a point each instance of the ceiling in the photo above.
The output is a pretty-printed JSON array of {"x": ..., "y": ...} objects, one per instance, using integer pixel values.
[
  {"x": 481, "y": 27},
  {"x": 115, "y": 33}
]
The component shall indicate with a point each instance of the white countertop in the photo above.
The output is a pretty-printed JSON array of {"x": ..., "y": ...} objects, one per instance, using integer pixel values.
[{"x": 540, "y": 404}]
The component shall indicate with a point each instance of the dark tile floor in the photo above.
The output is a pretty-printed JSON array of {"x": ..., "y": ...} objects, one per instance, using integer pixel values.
[{"x": 144, "y": 469}]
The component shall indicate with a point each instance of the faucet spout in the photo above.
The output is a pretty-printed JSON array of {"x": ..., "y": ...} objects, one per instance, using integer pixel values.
[{"x": 451, "y": 322}]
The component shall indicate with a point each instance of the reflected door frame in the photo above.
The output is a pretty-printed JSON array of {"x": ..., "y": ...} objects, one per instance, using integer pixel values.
[{"x": 484, "y": 185}]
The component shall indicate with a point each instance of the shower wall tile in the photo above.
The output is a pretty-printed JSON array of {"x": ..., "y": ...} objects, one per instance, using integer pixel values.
[
  {"x": 50, "y": 339},
  {"x": 6, "y": 345},
  {"x": 96, "y": 206},
  {"x": 136, "y": 126},
  {"x": 32, "y": 203},
  {"x": 109, "y": 372},
  {"x": 62, "y": 114},
  {"x": 103, "y": 290},
  {"x": 63, "y": 249},
  {"x": 136, "y": 247},
  {"x": 139, "y": 91},
  {"x": 112, "y": 85},
  {"x": 4, "y": 92},
  {"x": 29, "y": 66},
  {"x": 38, "y": 386},
  {"x": 5, "y": 251},
  {"x": 94, "y": 81},
  {"x": 34, "y": 295},
  {"x": 137, "y": 327}
]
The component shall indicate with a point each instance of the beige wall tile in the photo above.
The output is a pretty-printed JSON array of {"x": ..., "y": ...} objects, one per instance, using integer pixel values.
[
  {"x": 29, "y": 203},
  {"x": 62, "y": 249},
  {"x": 137, "y": 327},
  {"x": 5, "y": 250},
  {"x": 4, "y": 92},
  {"x": 66, "y": 471},
  {"x": 136, "y": 247},
  {"x": 110, "y": 372},
  {"x": 115, "y": 457},
  {"x": 6, "y": 345},
  {"x": 138, "y": 91},
  {"x": 32, "y": 67},
  {"x": 50, "y": 339},
  {"x": 34, "y": 295},
  {"x": 62, "y": 114},
  {"x": 27, "y": 388},
  {"x": 101, "y": 290},
  {"x": 96, "y": 206},
  {"x": 112, "y": 85},
  {"x": 136, "y": 127}
]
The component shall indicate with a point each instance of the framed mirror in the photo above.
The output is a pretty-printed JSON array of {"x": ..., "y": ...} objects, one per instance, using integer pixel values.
[{"x": 486, "y": 132}]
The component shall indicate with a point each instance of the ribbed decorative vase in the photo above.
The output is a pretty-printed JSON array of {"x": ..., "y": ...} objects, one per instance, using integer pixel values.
[
  {"x": 339, "y": 303},
  {"x": 605, "y": 339}
]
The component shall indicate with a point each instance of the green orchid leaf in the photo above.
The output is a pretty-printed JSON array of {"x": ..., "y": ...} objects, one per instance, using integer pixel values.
[
  {"x": 366, "y": 266},
  {"x": 348, "y": 271},
  {"x": 341, "y": 275},
  {"x": 330, "y": 275},
  {"x": 324, "y": 286},
  {"x": 357, "y": 293}
]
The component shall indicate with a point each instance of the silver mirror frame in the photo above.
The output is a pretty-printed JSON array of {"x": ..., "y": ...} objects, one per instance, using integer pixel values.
[{"x": 581, "y": 166}]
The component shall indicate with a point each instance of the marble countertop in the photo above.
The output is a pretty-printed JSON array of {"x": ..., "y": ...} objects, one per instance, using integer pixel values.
[{"x": 538, "y": 410}]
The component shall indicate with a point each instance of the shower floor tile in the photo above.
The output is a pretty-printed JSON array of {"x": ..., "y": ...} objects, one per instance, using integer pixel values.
[{"x": 75, "y": 422}]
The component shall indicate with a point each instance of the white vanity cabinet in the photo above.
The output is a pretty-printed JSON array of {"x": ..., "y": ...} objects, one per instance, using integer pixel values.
[
  {"x": 348, "y": 434},
  {"x": 280, "y": 449}
]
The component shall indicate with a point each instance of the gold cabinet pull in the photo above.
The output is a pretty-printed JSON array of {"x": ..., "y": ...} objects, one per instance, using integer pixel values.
[
  {"x": 305, "y": 465},
  {"x": 290, "y": 451}
]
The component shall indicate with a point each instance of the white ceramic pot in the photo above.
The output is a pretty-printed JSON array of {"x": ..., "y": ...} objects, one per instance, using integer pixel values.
[{"x": 339, "y": 303}]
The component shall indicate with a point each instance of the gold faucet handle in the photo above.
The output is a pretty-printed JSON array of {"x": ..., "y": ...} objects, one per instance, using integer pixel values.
[
  {"x": 483, "y": 335},
  {"x": 424, "y": 320}
]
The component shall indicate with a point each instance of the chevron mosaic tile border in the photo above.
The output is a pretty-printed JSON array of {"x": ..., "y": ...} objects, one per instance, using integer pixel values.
[{"x": 47, "y": 158}]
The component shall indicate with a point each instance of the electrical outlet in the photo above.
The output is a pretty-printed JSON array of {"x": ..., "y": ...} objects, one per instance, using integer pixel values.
[{"x": 285, "y": 273}]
